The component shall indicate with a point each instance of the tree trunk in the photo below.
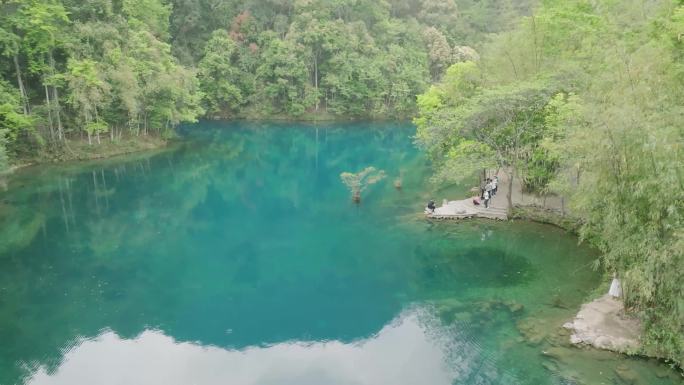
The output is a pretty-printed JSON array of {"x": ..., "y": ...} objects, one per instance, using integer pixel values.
[
  {"x": 509, "y": 194},
  {"x": 356, "y": 197},
  {"x": 22, "y": 90},
  {"x": 60, "y": 130},
  {"x": 316, "y": 79},
  {"x": 563, "y": 206},
  {"x": 49, "y": 110}
]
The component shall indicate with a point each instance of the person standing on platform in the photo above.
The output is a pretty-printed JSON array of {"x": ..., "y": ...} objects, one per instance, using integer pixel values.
[{"x": 488, "y": 187}]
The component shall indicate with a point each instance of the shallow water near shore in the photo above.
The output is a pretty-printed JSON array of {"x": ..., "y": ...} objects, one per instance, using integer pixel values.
[{"x": 237, "y": 257}]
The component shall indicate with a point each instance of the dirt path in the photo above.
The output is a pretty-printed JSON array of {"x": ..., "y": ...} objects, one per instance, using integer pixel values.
[{"x": 520, "y": 198}]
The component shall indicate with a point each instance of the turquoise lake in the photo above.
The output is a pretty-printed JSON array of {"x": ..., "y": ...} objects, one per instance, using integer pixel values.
[{"x": 236, "y": 256}]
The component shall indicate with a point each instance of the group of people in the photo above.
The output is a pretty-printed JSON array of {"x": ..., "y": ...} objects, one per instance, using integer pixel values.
[{"x": 488, "y": 189}]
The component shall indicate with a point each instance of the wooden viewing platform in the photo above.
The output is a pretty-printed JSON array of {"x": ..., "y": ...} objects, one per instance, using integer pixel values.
[
  {"x": 465, "y": 208},
  {"x": 498, "y": 207}
]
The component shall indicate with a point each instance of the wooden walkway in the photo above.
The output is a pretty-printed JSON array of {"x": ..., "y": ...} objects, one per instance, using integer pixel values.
[
  {"x": 466, "y": 209},
  {"x": 462, "y": 209}
]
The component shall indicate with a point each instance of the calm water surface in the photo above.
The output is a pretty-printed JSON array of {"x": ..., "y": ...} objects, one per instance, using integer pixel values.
[{"x": 236, "y": 257}]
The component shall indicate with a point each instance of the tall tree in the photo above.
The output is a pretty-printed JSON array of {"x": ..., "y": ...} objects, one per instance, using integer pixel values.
[
  {"x": 220, "y": 77},
  {"x": 88, "y": 93},
  {"x": 11, "y": 43},
  {"x": 12, "y": 121},
  {"x": 45, "y": 24}
]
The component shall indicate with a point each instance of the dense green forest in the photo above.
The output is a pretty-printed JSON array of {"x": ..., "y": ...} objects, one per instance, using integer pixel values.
[
  {"x": 584, "y": 99},
  {"x": 106, "y": 70}
]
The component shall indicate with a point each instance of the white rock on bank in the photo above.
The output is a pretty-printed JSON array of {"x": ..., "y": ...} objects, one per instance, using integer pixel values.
[{"x": 603, "y": 325}]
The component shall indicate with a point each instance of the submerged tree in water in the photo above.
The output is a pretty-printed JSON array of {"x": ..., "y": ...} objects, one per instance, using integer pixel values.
[
  {"x": 358, "y": 182},
  {"x": 399, "y": 181}
]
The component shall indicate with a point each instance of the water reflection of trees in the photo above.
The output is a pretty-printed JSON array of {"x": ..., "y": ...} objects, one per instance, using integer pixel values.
[
  {"x": 194, "y": 239},
  {"x": 105, "y": 244}
]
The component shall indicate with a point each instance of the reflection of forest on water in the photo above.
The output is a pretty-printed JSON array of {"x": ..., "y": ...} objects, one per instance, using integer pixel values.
[
  {"x": 79, "y": 241},
  {"x": 243, "y": 235}
]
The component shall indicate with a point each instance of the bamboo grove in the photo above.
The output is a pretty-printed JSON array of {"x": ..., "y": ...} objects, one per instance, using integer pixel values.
[{"x": 584, "y": 99}]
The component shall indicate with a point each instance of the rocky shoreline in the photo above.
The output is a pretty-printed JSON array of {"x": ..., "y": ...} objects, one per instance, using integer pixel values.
[{"x": 603, "y": 324}]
